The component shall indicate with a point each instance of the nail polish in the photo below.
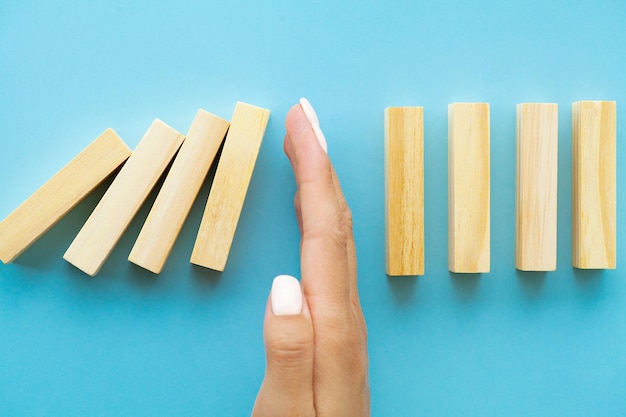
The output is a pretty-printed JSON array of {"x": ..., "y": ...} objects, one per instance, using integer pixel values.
[
  {"x": 310, "y": 114},
  {"x": 286, "y": 296}
]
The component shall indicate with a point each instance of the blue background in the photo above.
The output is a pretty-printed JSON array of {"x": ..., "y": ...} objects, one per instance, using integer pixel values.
[{"x": 189, "y": 342}]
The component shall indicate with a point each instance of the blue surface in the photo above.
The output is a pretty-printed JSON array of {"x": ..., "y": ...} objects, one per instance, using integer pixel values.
[{"x": 190, "y": 341}]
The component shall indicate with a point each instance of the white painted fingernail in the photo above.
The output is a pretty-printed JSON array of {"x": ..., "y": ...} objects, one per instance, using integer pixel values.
[
  {"x": 310, "y": 114},
  {"x": 286, "y": 296}
]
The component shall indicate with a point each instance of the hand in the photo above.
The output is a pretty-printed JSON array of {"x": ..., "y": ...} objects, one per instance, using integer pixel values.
[{"x": 315, "y": 337}]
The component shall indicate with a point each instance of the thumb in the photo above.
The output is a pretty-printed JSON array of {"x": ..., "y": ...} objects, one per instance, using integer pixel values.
[{"x": 287, "y": 388}]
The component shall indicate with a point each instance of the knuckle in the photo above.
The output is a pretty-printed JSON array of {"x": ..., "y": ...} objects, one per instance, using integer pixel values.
[
  {"x": 333, "y": 236},
  {"x": 290, "y": 350},
  {"x": 344, "y": 342},
  {"x": 341, "y": 336},
  {"x": 364, "y": 335},
  {"x": 348, "y": 220},
  {"x": 296, "y": 201},
  {"x": 356, "y": 306},
  {"x": 354, "y": 359}
]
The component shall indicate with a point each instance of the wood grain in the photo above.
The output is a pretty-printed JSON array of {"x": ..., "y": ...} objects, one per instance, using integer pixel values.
[
  {"x": 594, "y": 184},
  {"x": 179, "y": 191},
  {"x": 46, "y": 206},
  {"x": 230, "y": 185},
  {"x": 404, "y": 190},
  {"x": 536, "y": 190},
  {"x": 468, "y": 188},
  {"x": 107, "y": 223}
]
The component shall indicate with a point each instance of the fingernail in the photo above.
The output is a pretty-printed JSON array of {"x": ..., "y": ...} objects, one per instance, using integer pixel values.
[
  {"x": 310, "y": 114},
  {"x": 286, "y": 296}
]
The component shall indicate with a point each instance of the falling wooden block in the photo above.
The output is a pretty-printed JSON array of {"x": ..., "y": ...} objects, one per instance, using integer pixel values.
[
  {"x": 404, "y": 190},
  {"x": 468, "y": 187},
  {"x": 122, "y": 200},
  {"x": 594, "y": 184},
  {"x": 60, "y": 194},
  {"x": 179, "y": 191},
  {"x": 230, "y": 186},
  {"x": 536, "y": 197}
]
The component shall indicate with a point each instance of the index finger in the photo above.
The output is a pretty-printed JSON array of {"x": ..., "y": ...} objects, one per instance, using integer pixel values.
[{"x": 324, "y": 258}]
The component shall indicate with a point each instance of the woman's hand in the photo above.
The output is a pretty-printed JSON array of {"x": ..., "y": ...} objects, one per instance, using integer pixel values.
[{"x": 315, "y": 336}]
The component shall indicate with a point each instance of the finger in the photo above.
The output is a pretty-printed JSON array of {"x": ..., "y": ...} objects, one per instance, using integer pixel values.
[
  {"x": 324, "y": 260},
  {"x": 347, "y": 215},
  {"x": 328, "y": 273},
  {"x": 287, "y": 388}
]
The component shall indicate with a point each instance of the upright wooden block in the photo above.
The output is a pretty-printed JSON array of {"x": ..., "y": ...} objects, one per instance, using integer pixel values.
[
  {"x": 536, "y": 196},
  {"x": 594, "y": 184},
  {"x": 404, "y": 190},
  {"x": 230, "y": 186},
  {"x": 60, "y": 194},
  {"x": 468, "y": 187},
  {"x": 120, "y": 203},
  {"x": 179, "y": 191}
]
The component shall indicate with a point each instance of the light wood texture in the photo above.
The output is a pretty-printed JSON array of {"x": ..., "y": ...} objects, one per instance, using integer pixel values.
[
  {"x": 122, "y": 200},
  {"x": 594, "y": 184},
  {"x": 404, "y": 190},
  {"x": 46, "y": 206},
  {"x": 230, "y": 185},
  {"x": 468, "y": 187},
  {"x": 536, "y": 190},
  {"x": 179, "y": 191}
]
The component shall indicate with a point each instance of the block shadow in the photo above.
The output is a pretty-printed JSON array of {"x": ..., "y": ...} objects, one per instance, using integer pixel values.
[
  {"x": 531, "y": 283},
  {"x": 588, "y": 280},
  {"x": 403, "y": 288},
  {"x": 205, "y": 279},
  {"x": 465, "y": 285},
  {"x": 140, "y": 277}
]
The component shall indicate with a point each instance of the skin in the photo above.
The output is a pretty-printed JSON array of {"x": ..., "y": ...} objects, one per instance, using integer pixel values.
[{"x": 317, "y": 361}]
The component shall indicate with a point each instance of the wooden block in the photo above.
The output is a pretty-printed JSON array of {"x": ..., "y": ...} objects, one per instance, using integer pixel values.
[
  {"x": 230, "y": 186},
  {"x": 179, "y": 191},
  {"x": 536, "y": 191},
  {"x": 468, "y": 187},
  {"x": 122, "y": 200},
  {"x": 60, "y": 194},
  {"x": 594, "y": 184},
  {"x": 404, "y": 190}
]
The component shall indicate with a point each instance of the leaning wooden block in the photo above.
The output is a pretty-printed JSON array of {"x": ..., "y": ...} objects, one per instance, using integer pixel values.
[
  {"x": 594, "y": 184},
  {"x": 404, "y": 190},
  {"x": 122, "y": 200},
  {"x": 230, "y": 186},
  {"x": 179, "y": 191},
  {"x": 468, "y": 187},
  {"x": 60, "y": 194},
  {"x": 536, "y": 194}
]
